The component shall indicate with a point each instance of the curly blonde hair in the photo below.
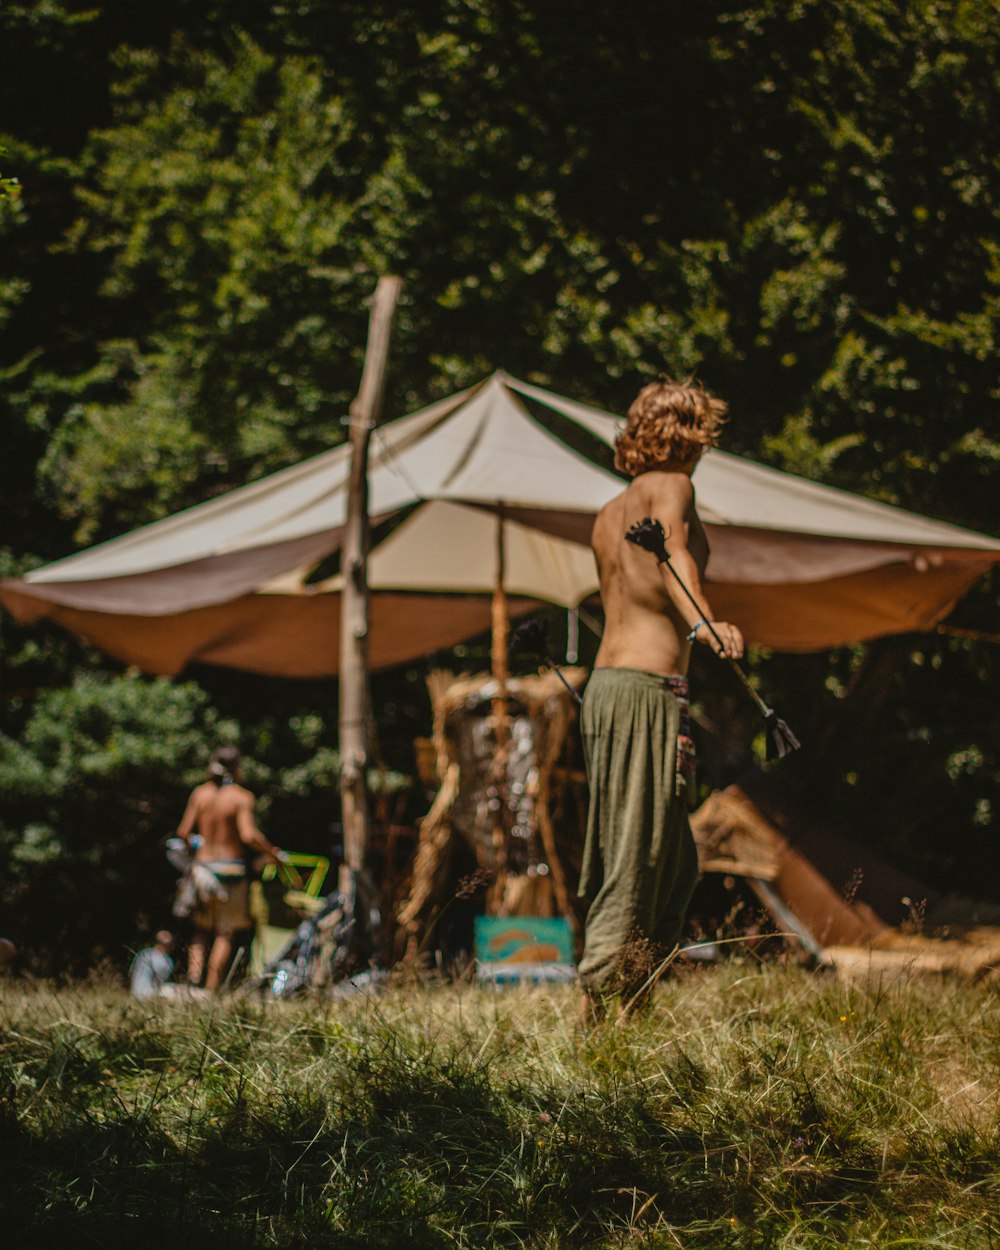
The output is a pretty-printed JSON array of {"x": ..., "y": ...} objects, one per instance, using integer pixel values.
[{"x": 669, "y": 425}]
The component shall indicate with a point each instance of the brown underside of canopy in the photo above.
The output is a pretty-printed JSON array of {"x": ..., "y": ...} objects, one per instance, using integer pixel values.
[
  {"x": 814, "y": 616},
  {"x": 298, "y": 635},
  {"x": 279, "y": 635}
]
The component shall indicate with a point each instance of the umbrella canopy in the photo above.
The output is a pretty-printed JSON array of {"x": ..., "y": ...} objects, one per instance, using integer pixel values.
[{"x": 798, "y": 565}]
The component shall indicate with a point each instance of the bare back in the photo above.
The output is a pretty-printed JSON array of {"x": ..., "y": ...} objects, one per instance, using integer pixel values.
[
  {"x": 223, "y": 816},
  {"x": 644, "y": 626}
]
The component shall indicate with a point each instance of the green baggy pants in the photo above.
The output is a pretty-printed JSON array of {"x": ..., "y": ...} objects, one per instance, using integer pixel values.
[{"x": 640, "y": 865}]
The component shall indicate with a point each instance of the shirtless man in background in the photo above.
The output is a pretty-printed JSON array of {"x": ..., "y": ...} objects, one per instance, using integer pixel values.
[
  {"x": 222, "y": 813},
  {"x": 640, "y": 864}
]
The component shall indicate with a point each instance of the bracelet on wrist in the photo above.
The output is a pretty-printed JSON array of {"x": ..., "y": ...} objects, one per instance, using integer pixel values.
[{"x": 693, "y": 635}]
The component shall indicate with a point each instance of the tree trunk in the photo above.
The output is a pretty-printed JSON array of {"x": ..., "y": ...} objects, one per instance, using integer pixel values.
[{"x": 354, "y": 617}]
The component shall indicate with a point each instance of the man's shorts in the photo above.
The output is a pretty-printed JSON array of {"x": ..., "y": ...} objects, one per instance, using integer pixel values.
[{"x": 225, "y": 916}]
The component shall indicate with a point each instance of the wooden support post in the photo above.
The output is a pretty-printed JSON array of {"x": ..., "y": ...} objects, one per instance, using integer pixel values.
[
  {"x": 354, "y": 613},
  {"x": 501, "y": 625},
  {"x": 499, "y": 663}
]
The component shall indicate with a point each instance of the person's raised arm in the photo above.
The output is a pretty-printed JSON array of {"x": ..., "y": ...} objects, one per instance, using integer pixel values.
[
  {"x": 250, "y": 835},
  {"x": 674, "y": 509}
]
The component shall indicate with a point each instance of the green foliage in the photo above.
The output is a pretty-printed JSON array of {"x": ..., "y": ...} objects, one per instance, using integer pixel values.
[
  {"x": 221, "y": 214},
  {"x": 31, "y": 657},
  {"x": 753, "y": 1107},
  {"x": 10, "y": 188},
  {"x": 96, "y": 778},
  {"x": 813, "y": 228}
]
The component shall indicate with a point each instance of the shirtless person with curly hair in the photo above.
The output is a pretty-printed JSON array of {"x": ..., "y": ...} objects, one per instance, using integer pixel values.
[{"x": 640, "y": 864}]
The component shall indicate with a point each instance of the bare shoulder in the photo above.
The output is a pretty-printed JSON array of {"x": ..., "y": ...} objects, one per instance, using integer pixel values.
[
  {"x": 662, "y": 488},
  {"x": 613, "y": 505},
  {"x": 225, "y": 800}
]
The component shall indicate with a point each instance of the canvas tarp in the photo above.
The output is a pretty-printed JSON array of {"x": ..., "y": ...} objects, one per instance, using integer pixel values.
[{"x": 799, "y": 565}]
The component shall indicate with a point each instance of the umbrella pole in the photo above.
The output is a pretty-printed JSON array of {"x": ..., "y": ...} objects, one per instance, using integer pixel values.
[{"x": 355, "y": 608}]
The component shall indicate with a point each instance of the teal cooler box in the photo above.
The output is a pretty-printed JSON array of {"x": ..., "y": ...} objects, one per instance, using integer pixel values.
[{"x": 523, "y": 948}]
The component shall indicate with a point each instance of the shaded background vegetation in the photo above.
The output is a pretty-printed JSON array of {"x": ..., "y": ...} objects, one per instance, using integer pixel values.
[{"x": 799, "y": 202}]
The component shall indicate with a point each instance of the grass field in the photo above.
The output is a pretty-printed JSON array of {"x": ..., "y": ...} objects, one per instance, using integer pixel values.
[{"x": 755, "y": 1106}]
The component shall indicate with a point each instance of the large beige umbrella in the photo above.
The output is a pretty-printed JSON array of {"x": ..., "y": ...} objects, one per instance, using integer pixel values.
[{"x": 799, "y": 565}]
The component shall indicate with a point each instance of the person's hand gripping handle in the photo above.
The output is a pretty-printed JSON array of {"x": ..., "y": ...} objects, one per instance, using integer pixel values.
[{"x": 648, "y": 534}]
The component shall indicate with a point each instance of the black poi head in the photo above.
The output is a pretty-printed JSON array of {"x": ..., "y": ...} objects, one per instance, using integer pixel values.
[
  {"x": 648, "y": 534},
  {"x": 530, "y": 638}
]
